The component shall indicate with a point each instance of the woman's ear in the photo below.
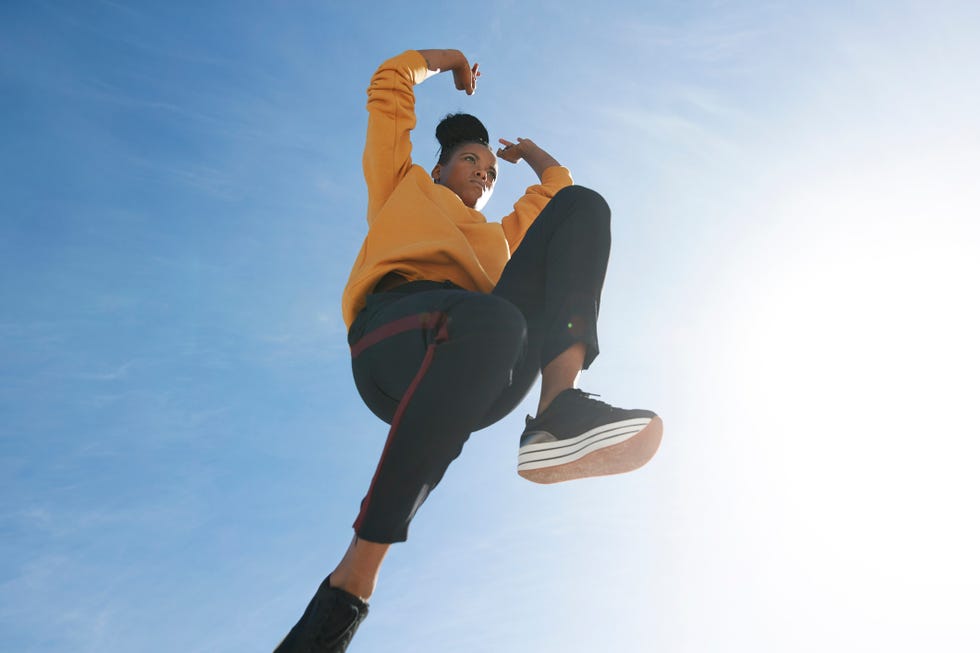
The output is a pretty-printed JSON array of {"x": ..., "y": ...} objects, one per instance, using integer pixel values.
[{"x": 437, "y": 173}]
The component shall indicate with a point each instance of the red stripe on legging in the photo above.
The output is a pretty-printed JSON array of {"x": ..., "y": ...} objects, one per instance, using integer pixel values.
[
  {"x": 417, "y": 321},
  {"x": 437, "y": 320}
]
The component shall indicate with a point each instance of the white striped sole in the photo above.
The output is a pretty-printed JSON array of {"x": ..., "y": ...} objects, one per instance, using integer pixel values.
[{"x": 562, "y": 452}]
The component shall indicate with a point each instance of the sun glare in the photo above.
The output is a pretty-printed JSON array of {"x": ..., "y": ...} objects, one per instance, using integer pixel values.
[{"x": 861, "y": 353}]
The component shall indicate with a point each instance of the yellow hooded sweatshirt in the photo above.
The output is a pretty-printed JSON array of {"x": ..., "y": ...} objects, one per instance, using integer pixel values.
[{"x": 416, "y": 227}]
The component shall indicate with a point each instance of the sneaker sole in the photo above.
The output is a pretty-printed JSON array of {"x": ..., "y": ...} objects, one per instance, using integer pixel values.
[{"x": 593, "y": 454}]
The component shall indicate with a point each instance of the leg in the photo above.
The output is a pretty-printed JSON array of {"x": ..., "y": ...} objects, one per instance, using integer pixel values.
[
  {"x": 556, "y": 277},
  {"x": 440, "y": 380},
  {"x": 430, "y": 364}
]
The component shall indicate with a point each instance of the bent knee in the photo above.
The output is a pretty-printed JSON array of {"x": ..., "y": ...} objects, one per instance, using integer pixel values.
[{"x": 587, "y": 196}]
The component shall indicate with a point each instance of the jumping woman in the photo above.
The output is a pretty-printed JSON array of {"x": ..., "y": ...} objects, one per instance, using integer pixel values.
[{"x": 452, "y": 318}]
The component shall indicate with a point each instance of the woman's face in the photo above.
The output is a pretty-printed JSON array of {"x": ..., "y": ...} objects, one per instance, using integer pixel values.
[{"x": 470, "y": 172}]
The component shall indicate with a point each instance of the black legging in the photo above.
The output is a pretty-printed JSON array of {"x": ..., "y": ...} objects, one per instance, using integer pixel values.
[{"x": 438, "y": 362}]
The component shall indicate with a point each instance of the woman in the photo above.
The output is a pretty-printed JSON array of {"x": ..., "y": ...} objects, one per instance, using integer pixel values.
[{"x": 451, "y": 319}]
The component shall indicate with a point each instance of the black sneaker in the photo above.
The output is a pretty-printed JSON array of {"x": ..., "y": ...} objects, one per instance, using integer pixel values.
[
  {"x": 578, "y": 436},
  {"x": 329, "y": 623}
]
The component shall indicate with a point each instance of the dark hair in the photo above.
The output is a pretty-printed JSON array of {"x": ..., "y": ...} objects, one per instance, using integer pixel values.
[{"x": 456, "y": 129}]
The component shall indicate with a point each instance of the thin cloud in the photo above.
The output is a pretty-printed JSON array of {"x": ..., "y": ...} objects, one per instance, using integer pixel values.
[{"x": 117, "y": 373}]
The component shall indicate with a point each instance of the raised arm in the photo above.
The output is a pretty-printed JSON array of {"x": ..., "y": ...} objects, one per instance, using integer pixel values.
[{"x": 391, "y": 115}]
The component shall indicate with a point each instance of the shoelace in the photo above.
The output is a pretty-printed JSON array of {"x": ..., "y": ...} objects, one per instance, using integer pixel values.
[{"x": 589, "y": 396}]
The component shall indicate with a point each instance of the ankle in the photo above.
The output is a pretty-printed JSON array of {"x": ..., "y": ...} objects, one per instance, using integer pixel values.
[
  {"x": 548, "y": 398},
  {"x": 357, "y": 587},
  {"x": 357, "y": 573}
]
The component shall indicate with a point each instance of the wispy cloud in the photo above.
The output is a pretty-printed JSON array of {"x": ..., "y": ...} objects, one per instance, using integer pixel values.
[
  {"x": 679, "y": 132},
  {"x": 112, "y": 374},
  {"x": 726, "y": 34}
]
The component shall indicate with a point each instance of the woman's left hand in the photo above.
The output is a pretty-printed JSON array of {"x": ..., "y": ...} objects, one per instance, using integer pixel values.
[
  {"x": 514, "y": 152},
  {"x": 526, "y": 149}
]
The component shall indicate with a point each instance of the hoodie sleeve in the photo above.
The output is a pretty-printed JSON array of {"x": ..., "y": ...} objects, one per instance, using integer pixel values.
[
  {"x": 527, "y": 208},
  {"x": 391, "y": 118}
]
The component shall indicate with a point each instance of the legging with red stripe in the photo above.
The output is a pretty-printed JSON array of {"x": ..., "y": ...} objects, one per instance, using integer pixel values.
[{"x": 438, "y": 362}]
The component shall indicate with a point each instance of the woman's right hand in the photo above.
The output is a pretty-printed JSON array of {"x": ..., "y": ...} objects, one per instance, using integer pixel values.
[{"x": 464, "y": 76}]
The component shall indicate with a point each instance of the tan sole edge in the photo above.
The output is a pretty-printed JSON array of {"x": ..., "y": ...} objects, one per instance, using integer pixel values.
[{"x": 617, "y": 459}]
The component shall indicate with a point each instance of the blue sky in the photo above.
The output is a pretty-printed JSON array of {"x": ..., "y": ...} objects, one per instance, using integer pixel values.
[{"x": 792, "y": 286}]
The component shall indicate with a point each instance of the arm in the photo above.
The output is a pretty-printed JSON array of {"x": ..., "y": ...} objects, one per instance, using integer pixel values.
[
  {"x": 391, "y": 115},
  {"x": 391, "y": 118},
  {"x": 526, "y": 149}
]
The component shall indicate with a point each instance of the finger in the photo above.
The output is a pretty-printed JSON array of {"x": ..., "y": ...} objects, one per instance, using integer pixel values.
[
  {"x": 506, "y": 142},
  {"x": 474, "y": 75}
]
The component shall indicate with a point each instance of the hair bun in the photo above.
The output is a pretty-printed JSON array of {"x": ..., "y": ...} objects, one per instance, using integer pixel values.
[{"x": 459, "y": 128}]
